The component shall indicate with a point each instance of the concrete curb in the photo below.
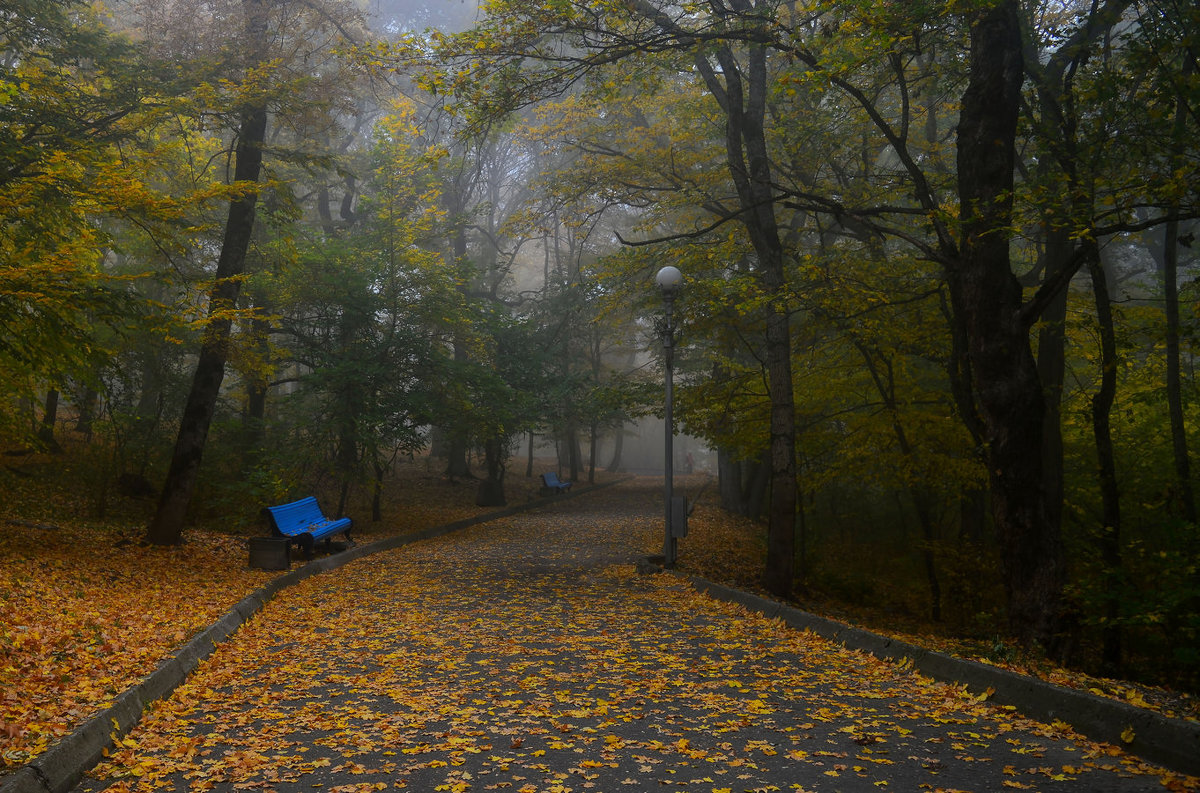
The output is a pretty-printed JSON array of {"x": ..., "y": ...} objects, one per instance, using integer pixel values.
[
  {"x": 62, "y": 766},
  {"x": 1172, "y": 743}
]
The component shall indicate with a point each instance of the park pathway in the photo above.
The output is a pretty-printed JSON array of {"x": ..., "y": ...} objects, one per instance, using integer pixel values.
[{"x": 528, "y": 655}]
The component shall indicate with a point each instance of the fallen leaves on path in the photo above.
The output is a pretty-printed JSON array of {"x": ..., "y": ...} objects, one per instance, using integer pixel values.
[
  {"x": 529, "y": 656},
  {"x": 86, "y": 612},
  {"x": 729, "y": 550},
  {"x": 84, "y": 615}
]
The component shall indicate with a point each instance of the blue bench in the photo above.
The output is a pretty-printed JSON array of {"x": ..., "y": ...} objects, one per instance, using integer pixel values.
[
  {"x": 303, "y": 522},
  {"x": 552, "y": 484}
]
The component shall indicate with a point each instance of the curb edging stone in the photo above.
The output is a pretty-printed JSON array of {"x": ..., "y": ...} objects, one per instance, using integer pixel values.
[
  {"x": 1173, "y": 743},
  {"x": 60, "y": 767},
  {"x": 1170, "y": 742}
]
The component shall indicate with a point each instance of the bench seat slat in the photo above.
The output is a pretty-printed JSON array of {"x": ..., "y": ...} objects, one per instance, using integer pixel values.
[
  {"x": 550, "y": 481},
  {"x": 305, "y": 517}
]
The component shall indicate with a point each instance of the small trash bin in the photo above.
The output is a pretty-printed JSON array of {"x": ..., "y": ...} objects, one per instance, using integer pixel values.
[{"x": 270, "y": 553}]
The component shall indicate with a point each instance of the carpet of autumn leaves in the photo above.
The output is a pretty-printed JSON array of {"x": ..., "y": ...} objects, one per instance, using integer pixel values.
[
  {"x": 728, "y": 550},
  {"x": 86, "y": 611},
  {"x": 526, "y": 655}
]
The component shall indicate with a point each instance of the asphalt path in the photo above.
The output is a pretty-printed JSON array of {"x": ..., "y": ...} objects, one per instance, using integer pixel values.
[{"x": 529, "y": 655}]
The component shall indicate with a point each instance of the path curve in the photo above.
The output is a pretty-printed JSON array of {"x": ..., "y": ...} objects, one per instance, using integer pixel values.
[{"x": 529, "y": 655}]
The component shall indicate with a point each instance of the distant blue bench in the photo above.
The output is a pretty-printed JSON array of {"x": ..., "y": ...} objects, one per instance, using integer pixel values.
[
  {"x": 552, "y": 484},
  {"x": 303, "y": 522}
]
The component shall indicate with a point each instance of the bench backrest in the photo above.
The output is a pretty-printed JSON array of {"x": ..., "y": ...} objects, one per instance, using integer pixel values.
[
  {"x": 551, "y": 479},
  {"x": 296, "y": 516}
]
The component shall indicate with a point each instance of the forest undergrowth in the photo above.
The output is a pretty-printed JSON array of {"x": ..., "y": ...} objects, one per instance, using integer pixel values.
[{"x": 87, "y": 610}]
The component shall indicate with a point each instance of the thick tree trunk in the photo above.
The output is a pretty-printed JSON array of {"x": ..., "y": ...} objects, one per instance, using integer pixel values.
[
  {"x": 987, "y": 301},
  {"x": 972, "y": 500},
  {"x": 741, "y": 91},
  {"x": 166, "y": 528}
]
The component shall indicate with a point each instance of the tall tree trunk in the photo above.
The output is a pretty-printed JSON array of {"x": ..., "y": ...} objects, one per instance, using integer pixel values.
[
  {"x": 254, "y": 416},
  {"x": 1052, "y": 366},
  {"x": 743, "y": 484},
  {"x": 1054, "y": 81},
  {"x": 377, "y": 489},
  {"x": 972, "y": 515},
  {"x": 573, "y": 453},
  {"x": 972, "y": 500},
  {"x": 729, "y": 483},
  {"x": 742, "y": 94},
  {"x": 88, "y": 404},
  {"x": 594, "y": 437},
  {"x": 49, "y": 419},
  {"x": 987, "y": 300},
  {"x": 1102, "y": 402},
  {"x": 614, "y": 464},
  {"x": 781, "y": 514},
  {"x": 457, "y": 464},
  {"x": 757, "y": 485},
  {"x": 166, "y": 528},
  {"x": 922, "y": 502},
  {"x": 1183, "y": 477},
  {"x": 491, "y": 490},
  {"x": 347, "y": 450},
  {"x": 351, "y": 401}
]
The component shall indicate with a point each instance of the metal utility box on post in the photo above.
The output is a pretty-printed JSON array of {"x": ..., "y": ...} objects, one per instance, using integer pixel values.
[{"x": 679, "y": 516}]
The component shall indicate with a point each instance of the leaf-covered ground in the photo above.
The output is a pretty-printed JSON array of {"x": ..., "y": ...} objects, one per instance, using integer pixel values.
[
  {"x": 85, "y": 611},
  {"x": 527, "y": 655},
  {"x": 729, "y": 550}
]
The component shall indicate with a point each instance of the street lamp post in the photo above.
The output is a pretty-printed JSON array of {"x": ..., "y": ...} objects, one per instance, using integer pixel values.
[{"x": 670, "y": 282}]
